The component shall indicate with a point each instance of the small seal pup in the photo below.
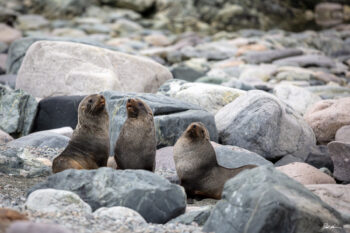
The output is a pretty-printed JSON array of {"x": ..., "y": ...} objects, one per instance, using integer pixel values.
[
  {"x": 136, "y": 144},
  {"x": 89, "y": 145},
  {"x": 196, "y": 164}
]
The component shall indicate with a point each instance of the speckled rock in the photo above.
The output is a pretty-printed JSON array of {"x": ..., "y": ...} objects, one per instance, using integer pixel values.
[
  {"x": 119, "y": 213},
  {"x": 5, "y": 137},
  {"x": 343, "y": 134},
  {"x": 56, "y": 201},
  {"x": 261, "y": 123}
]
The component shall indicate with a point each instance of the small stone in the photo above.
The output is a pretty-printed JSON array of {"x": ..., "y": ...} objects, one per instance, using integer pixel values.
[
  {"x": 340, "y": 154},
  {"x": 8, "y": 34}
]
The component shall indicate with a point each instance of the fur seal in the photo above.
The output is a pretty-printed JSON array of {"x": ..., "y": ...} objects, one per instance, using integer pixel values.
[
  {"x": 136, "y": 144},
  {"x": 8, "y": 216},
  {"x": 197, "y": 166},
  {"x": 89, "y": 145}
]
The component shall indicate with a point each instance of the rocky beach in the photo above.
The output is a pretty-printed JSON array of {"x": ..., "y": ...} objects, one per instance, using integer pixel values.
[{"x": 270, "y": 81}]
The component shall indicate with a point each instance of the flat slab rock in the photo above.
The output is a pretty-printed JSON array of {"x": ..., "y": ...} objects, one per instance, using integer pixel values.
[{"x": 152, "y": 196}]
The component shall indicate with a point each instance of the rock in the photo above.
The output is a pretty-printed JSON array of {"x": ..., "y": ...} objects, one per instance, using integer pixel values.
[
  {"x": 23, "y": 162},
  {"x": 138, "y": 5},
  {"x": 210, "y": 51},
  {"x": 330, "y": 92},
  {"x": 18, "y": 49},
  {"x": 210, "y": 97},
  {"x": 327, "y": 116},
  {"x": 17, "y": 111},
  {"x": 246, "y": 205},
  {"x": 171, "y": 116},
  {"x": 328, "y": 14},
  {"x": 64, "y": 131},
  {"x": 261, "y": 123},
  {"x": 41, "y": 139},
  {"x": 234, "y": 157},
  {"x": 157, "y": 40},
  {"x": 106, "y": 187},
  {"x": 307, "y": 61},
  {"x": 287, "y": 160},
  {"x": 119, "y": 213},
  {"x": 97, "y": 72},
  {"x": 31, "y": 22},
  {"x": 343, "y": 134},
  {"x": 51, "y": 201},
  {"x": 340, "y": 154},
  {"x": 8, "y": 34},
  {"x": 58, "y": 9},
  {"x": 198, "y": 216},
  {"x": 335, "y": 195},
  {"x": 300, "y": 99},
  {"x": 8, "y": 80},
  {"x": 189, "y": 71},
  {"x": 8, "y": 216},
  {"x": 305, "y": 174},
  {"x": 165, "y": 159},
  {"x": 5, "y": 137},
  {"x": 319, "y": 157},
  {"x": 254, "y": 74},
  {"x": 270, "y": 55},
  {"x": 56, "y": 112},
  {"x": 30, "y": 227}
]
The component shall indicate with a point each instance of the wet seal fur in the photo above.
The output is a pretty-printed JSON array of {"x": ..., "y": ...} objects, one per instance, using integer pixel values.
[
  {"x": 89, "y": 145},
  {"x": 136, "y": 144},
  {"x": 197, "y": 166}
]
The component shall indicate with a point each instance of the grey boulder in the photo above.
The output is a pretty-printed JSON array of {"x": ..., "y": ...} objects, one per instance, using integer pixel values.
[
  {"x": 152, "y": 196},
  {"x": 199, "y": 216},
  {"x": 269, "y": 56},
  {"x": 41, "y": 139},
  {"x": 307, "y": 61},
  {"x": 171, "y": 116},
  {"x": 264, "y": 200},
  {"x": 261, "y": 123}
]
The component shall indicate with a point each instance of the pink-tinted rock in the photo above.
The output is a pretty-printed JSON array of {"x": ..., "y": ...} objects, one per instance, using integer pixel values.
[
  {"x": 327, "y": 116},
  {"x": 340, "y": 154},
  {"x": 306, "y": 174},
  {"x": 30, "y": 227},
  {"x": 8, "y": 34},
  {"x": 4, "y": 137},
  {"x": 165, "y": 158},
  {"x": 335, "y": 195},
  {"x": 343, "y": 134}
]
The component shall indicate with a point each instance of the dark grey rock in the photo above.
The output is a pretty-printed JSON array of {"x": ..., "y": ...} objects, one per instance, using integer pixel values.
[
  {"x": 287, "y": 160},
  {"x": 211, "y": 51},
  {"x": 41, "y": 139},
  {"x": 3, "y": 47},
  {"x": 234, "y": 157},
  {"x": 261, "y": 123},
  {"x": 171, "y": 116},
  {"x": 197, "y": 216},
  {"x": 187, "y": 73},
  {"x": 319, "y": 157},
  {"x": 8, "y": 80},
  {"x": 155, "y": 198},
  {"x": 265, "y": 200},
  {"x": 307, "y": 61},
  {"x": 340, "y": 154},
  {"x": 17, "y": 111},
  {"x": 269, "y": 56},
  {"x": 18, "y": 49}
]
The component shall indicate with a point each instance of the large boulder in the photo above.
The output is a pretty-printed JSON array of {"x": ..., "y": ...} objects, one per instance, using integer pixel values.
[
  {"x": 52, "y": 68},
  {"x": 17, "y": 111},
  {"x": 264, "y": 200},
  {"x": 327, "y": 116},
  {"x": 41, "y": 139},
  {"x": 209, "y": 96},
  {"x": 56, "y": 112},
  {"x": 306, "y": 174},
  {"x": 343, "y": 134},
  {"x": 152, "y": 196},
  {"x": 171, "y": 116},
  {"x": 261, "y": 123}
]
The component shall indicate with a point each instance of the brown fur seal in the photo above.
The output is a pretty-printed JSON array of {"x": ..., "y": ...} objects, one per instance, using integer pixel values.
[
  {"x": 89, "y": 145},
  {"x": 196, "y": 164},
  {"x": 8, "y": 216},
  {"x": 136, "y": 144}
]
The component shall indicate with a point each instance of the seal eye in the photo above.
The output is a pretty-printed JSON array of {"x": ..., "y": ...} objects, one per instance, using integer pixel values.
[
  {"x": 140, "y": 104},
  {"x": 90, "y": 101}
]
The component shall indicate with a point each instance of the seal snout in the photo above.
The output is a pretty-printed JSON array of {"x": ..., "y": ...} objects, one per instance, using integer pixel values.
[{"x": 102, "y": 100}]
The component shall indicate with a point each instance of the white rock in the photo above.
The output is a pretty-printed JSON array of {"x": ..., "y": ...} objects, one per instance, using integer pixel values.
[
  {"x": 52, "y": 68},
  {"x": 52, "y": 201},
  {"x": 300, "y": 99},
  {"x": 119, "y": 213}
]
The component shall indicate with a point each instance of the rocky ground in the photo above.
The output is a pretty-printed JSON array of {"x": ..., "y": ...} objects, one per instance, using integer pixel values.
[{"x": 270, "y": 80}]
